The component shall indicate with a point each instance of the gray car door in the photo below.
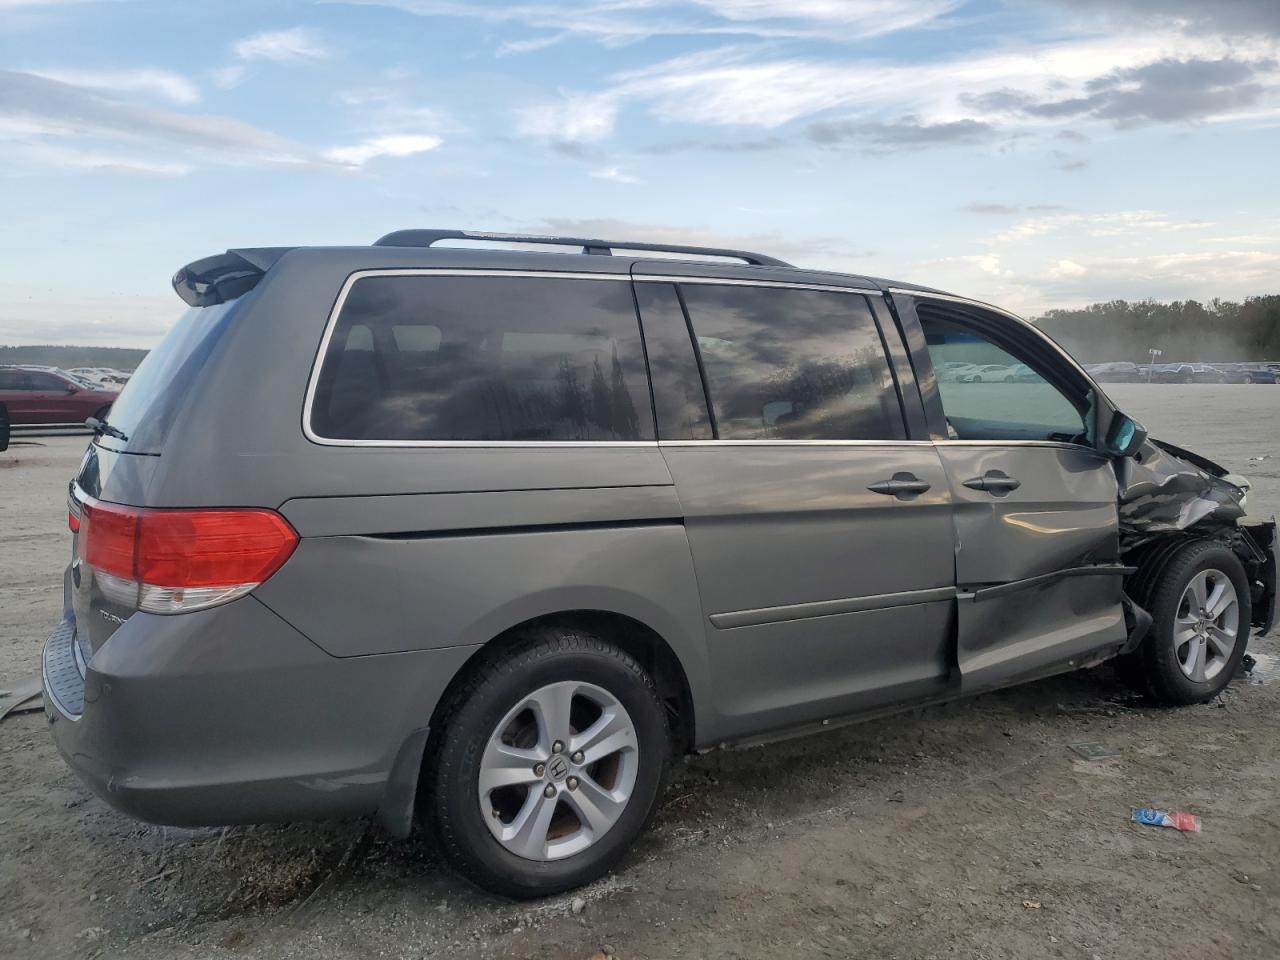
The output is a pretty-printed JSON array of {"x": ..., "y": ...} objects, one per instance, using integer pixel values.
[
  {"x": 1035, "y": 504},
  {"x": 821, "y": 535}
]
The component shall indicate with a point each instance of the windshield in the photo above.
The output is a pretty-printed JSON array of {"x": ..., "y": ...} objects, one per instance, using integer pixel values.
[{"x": 150, "y": 401}]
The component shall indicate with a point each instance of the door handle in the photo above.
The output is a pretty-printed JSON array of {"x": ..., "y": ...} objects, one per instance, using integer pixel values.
[
  {"x": 995, "y": 482},
  {"x": 904, "y": 486}
]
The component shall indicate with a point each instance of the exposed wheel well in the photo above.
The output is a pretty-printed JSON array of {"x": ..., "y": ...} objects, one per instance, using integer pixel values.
[{"x": 644, "y": 643}]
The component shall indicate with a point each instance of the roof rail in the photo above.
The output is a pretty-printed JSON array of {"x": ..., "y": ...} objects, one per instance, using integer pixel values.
[{"x": 426, "y": 238}]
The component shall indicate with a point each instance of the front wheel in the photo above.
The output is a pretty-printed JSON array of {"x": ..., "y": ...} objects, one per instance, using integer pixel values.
[
  {"x": 550, "y": 762},
  {"x": 1201, "y": 610}
]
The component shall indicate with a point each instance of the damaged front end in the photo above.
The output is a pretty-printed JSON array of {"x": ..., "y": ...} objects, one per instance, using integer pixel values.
[{"x": 1169, "y": 496}]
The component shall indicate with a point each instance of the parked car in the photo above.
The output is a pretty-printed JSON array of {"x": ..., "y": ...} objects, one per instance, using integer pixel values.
[
  {"x": 1187, "y": 373},
  {"x": 1246, "y": 373},
  {"x": 412, "y": 531},
  {"x": 1116, "y": 371},
  {"x": 987, "y": 373},
  {"x": 38, "y": 395},
  {"x": 101, "y": 376}
]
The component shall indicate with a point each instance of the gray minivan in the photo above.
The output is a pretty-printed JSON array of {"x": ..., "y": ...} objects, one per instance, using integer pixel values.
[{"x": 486, "y": 536}]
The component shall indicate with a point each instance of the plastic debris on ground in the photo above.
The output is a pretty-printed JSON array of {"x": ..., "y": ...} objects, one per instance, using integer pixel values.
[{"x": 1149, "y": 816}]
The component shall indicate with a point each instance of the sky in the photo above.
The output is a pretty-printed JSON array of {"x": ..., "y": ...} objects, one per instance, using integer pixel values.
[{"x": 1032, "y": 153}]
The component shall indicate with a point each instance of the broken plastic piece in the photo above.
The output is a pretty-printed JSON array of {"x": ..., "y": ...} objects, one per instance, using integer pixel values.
[
  {"x": 1151, "y": 817},
  {"x": 22, "y": 698}
]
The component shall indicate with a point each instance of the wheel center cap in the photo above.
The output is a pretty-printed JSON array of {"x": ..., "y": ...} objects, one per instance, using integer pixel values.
[{"x": 557, "y": 768}]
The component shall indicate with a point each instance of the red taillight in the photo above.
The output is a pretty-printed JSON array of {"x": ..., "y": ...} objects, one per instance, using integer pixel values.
[
  {"x": 73, "y": 522},
  {"x": 183, "y": 559}
]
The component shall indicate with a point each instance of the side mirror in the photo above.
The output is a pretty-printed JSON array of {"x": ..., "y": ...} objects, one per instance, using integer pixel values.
[
  {"x": 72, "y": 388},
  {"x": 1125, "y": 436}
]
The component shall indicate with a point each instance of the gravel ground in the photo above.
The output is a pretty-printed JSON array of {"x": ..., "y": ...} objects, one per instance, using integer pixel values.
[{"x": 969, "y": 830}]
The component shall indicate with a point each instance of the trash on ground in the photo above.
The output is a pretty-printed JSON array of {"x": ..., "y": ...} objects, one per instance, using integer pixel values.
[
  {"x": 1093, "y": 750},
  {"x": 1031, "y": 904},
  {"x": 1149, "y": 816},
  {"x": 22, "y": 698}
]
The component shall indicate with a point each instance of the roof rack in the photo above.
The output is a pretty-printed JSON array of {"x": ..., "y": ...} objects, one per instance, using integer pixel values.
[{"x": 604, "y": 248}]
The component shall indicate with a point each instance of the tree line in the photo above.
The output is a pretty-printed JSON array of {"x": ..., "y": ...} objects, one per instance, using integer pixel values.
[
  {"x": 59, "y": 355},
  {"x": 1185, "y": 330}
]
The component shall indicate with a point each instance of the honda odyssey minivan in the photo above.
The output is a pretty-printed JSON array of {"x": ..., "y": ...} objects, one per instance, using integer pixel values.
[{"x": 481, "y": 538}]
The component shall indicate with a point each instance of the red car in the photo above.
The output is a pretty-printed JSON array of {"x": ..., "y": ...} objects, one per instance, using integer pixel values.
[{"x": 42, "y": 396}]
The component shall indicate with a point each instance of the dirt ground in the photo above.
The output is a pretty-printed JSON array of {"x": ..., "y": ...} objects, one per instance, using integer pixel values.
[{"x": 969, "y": 830}]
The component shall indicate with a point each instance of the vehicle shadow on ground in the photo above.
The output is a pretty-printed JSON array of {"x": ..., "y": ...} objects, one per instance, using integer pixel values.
[{"x": 293, "y": 872}]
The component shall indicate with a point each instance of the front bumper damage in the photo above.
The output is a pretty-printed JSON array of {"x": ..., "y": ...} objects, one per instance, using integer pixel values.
[{"x": 1169, "y": 496}]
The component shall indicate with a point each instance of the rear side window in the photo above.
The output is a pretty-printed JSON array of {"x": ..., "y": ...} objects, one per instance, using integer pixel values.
[
  {"x": 433, "y": 358},
  {"x": 792, "y": 364},
  {"x": 13, "y": 380}
]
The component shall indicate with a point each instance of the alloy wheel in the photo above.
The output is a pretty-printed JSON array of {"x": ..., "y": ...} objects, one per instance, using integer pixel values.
[
  {"x": 1206, "y": 627},
  {"x": 558, "y": 771}
]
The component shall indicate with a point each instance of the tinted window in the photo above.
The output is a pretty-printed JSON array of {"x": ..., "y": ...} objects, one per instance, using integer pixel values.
[
  {"x": 678, "y": 393},
  {"x": 989, "y": 393},
  {"x": 46, "y": 382},
  {"x": 150, "y": 401},
  {"x": 484, "y": 358},
  {"x": 12, "y": 380},
  {"x": 793, "y": 364}
]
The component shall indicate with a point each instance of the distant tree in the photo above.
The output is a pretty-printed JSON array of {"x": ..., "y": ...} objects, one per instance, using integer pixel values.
[
  {"x": 57, "y": 355},
  {"x": 1221, "y": 330}
]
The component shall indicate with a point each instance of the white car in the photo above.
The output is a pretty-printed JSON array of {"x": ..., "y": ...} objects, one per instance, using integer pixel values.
[{"x": 987, "y": 373}]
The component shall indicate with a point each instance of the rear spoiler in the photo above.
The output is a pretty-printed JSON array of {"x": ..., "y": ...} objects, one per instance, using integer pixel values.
[{"x": 225, "y": 276}]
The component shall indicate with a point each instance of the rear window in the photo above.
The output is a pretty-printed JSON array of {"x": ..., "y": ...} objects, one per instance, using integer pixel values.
[
  {"x": 150, "y": 401},
  {"x": 425, "y": 358}
]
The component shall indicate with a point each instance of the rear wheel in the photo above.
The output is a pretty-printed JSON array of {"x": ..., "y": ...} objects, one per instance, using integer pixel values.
[
  {"x": 551, "y": 759},
  {"x": 1201, "y": 610}
]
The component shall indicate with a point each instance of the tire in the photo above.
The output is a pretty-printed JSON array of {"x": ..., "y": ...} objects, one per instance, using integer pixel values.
[
  {"x": 1164, "y": 663},
  {"x": 4, "y": 428},
  {"x": 1248, "y": 379},
  {"x": 493, "y": 699}
]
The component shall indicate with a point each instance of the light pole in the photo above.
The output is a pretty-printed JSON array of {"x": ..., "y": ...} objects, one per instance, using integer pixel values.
[{"x": 1151, "y": 366}]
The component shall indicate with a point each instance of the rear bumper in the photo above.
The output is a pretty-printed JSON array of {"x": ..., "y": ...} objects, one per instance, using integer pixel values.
[{"x": 230, "y": 715}]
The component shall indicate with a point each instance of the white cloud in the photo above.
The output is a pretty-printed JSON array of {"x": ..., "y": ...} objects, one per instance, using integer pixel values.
[
  {"x": 37, "y": 112},
  {"x": 616, "y": 22},
  {"x": 161, "y": 83},
  {"x": 394, "y": 145},
  {"x": 282, "y": 46},
  {"x": 614, "y": 174},
  {"x": 1066, "y": 268},
  {"x": 574, "y": 118}
]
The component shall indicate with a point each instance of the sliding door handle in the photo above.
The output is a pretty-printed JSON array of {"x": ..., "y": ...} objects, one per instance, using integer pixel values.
[
  {"x": 904, "y": 486},
  {"x": 995, "y": 482}
]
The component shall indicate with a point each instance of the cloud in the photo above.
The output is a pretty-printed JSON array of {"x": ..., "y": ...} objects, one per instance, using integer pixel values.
[
  {"x": 161, "y": 83},
  {"x": 907, "y": 133},
  {"x": 1249, "y": 17},
  {"x": 614, "y": 174},
  {"x": 1165, "y": 91},
  {"x": 36, "y": 111},
  {"x": 616, "y": 22},
  {"x": 763, "y": 145},
  {"x": 572, "y": 119},
  {"x": 1005, "y": 209},
  {"x": 1067, "y": 268},
  {"x": 1066, "y": 162},
  {"x": 1000, "y": 209},
  {"x": 282, "y": 46},
  {"x": 393, "y": 145}
]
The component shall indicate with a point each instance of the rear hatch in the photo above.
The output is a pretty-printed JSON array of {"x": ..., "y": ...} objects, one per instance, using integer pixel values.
[{"x": 107, "y": 515}]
